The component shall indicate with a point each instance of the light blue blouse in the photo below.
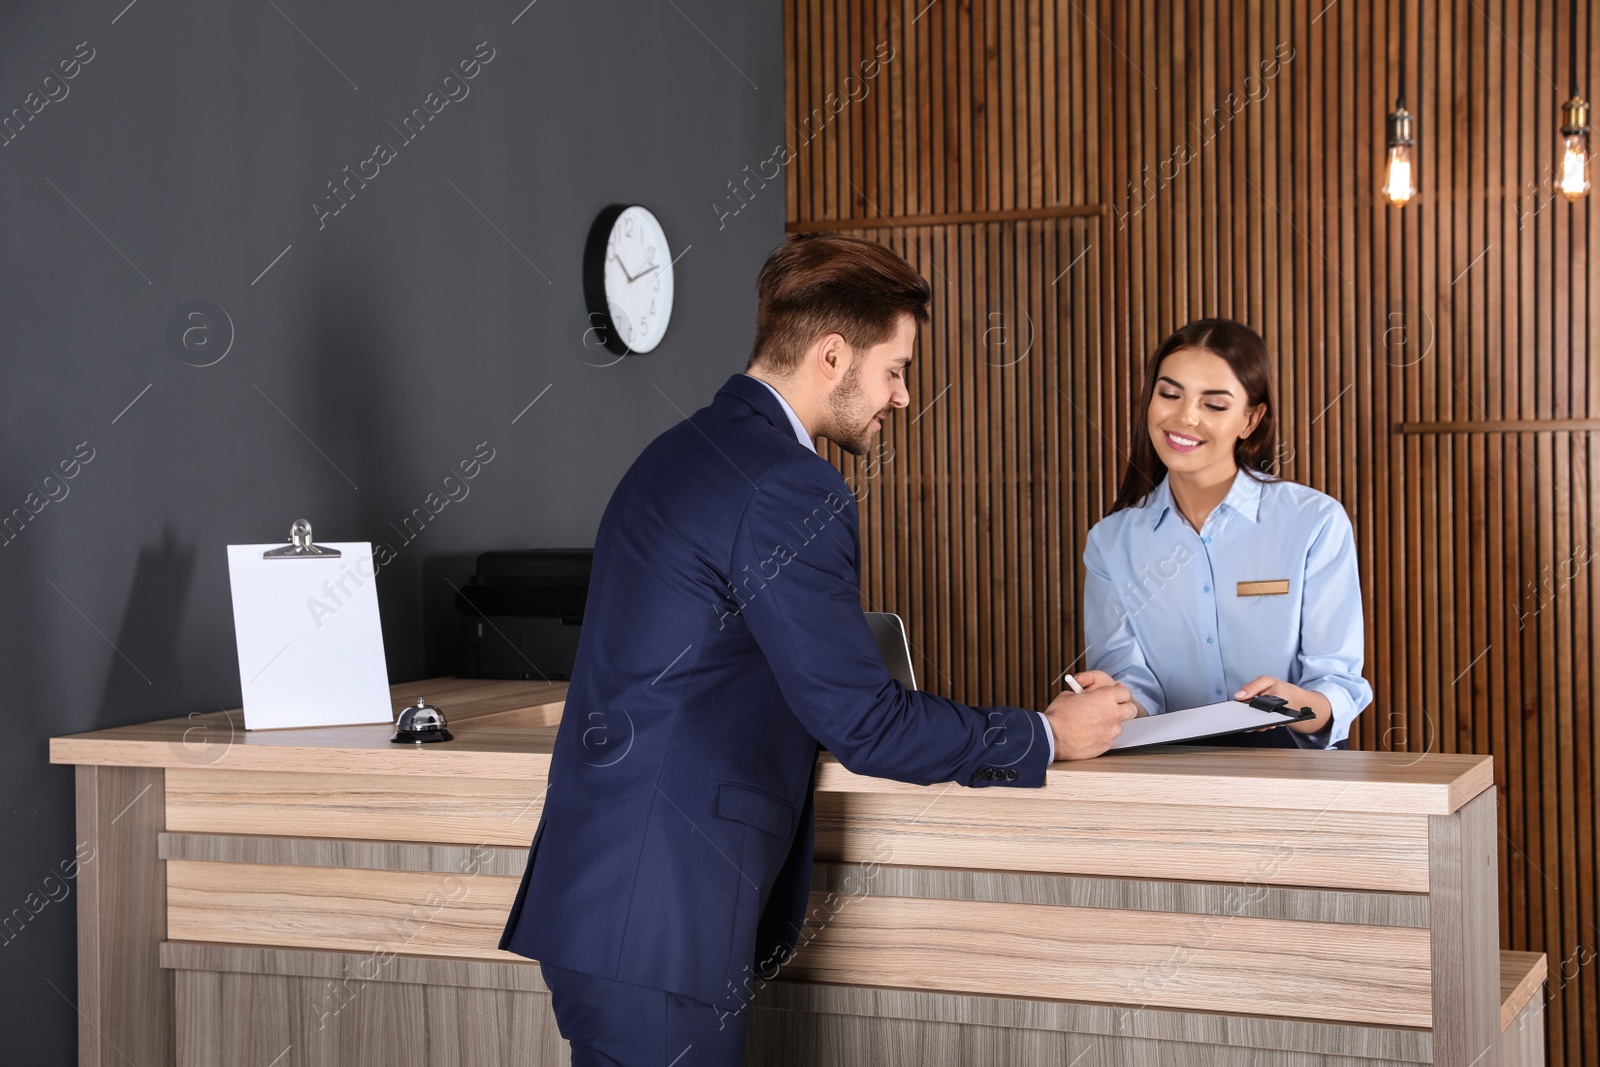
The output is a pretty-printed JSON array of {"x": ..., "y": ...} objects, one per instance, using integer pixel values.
[{"x": 1164, "y": 615}]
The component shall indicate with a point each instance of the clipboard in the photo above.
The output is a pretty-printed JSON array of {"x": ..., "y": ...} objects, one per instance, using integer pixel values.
[
  {"x": 1210, "y": 720},
  {"x": 306, "y": 626}
]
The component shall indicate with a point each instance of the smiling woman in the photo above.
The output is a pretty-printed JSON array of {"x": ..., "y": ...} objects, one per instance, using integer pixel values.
[{"x": 1265, "y": 596}]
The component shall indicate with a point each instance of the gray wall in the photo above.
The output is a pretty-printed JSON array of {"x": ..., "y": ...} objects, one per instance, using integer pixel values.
[{"x": 379, "y": 351}]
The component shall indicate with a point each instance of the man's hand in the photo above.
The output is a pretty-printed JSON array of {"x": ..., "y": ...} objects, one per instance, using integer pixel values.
[
  {"x": 1086, "y": 723},
  {"x": 1089, "y": 681}
]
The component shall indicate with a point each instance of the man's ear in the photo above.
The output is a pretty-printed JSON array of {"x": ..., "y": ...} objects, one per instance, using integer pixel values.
[{"x": 832, "y": 356}]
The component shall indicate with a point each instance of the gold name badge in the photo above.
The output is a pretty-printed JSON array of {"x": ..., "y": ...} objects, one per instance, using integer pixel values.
[{"x": 1275, "y": 587}]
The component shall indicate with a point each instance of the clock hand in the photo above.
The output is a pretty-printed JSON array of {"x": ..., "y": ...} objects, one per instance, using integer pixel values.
[{"x": 635, "y": 277}]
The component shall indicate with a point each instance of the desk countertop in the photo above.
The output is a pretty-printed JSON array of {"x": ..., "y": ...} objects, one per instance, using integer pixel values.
[{"x": 505, "y": 729}]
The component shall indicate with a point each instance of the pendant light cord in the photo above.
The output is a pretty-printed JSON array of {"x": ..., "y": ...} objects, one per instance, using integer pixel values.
[
  {"x": 1400, "y": 91},
  {"x": 1572, "y": 32}
]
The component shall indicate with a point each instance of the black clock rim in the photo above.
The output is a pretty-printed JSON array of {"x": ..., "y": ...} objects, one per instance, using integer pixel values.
[{"x": 594, "y": 278}]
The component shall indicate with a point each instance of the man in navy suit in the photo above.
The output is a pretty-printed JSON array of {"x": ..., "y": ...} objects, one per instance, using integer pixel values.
[{"x": 723, "y": 640}]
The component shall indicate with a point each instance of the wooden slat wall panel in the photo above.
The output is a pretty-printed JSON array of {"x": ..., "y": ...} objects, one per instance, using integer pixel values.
[{"x": 1463, "y": 319}]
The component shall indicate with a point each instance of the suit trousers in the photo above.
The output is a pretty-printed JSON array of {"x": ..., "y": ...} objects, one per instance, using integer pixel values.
[{"x": 614, "y": 1024}]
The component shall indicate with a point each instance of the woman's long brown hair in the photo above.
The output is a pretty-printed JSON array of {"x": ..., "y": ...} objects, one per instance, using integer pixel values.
[{"x": 1246, "y": 353}]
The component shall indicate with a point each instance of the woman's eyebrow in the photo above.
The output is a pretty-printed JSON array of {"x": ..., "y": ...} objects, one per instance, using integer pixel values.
[{"x": 1207, "y": 392}]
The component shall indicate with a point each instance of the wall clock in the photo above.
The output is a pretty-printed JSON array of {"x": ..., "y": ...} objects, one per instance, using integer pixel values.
[{"x": 627, "y": 279}]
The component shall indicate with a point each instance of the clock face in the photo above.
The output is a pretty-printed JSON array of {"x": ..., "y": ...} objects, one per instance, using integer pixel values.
[{"x": 638, "y": 281}]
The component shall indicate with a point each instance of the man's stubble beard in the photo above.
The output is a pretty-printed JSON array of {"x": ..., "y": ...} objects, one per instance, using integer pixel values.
[{"x": 840, "y": 429}]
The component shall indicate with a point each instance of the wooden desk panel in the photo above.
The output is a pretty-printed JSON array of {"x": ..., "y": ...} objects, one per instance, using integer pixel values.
[
  {"x": 1355, "y": 888},
  {"x": 1339, "y": 971},
  {"x": 1368, "y": 974},
  {"x": 1014, "y": 832},
  {"x": 464, "y": 811},
  {"x": 1020, "y": 831},
  {"x": 343, "y": 909}
]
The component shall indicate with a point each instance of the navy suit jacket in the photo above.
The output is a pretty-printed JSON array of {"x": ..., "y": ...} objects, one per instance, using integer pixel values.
[{"x": 722, "y": 640}]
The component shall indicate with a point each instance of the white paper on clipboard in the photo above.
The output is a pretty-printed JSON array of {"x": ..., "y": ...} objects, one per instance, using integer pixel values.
[
  {"x": 309, "y": 640},
  {"x": 1210, "y": 720}
]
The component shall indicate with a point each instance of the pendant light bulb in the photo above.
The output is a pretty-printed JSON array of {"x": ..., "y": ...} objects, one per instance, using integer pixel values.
[
  {"x": 1400, "y": 173},
  {"x": 1572, "y": 173}
]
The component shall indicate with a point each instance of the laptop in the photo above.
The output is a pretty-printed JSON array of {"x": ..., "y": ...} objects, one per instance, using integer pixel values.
[{"x": 890, "y": 634}]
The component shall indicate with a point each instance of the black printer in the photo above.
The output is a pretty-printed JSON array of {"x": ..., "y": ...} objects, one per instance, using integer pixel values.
[{"x": 521, "y": 613}]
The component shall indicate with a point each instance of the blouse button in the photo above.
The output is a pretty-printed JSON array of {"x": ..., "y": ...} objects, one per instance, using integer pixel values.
[{"x": 1209, "y": 639}]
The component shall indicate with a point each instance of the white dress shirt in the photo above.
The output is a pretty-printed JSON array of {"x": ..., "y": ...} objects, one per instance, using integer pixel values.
[{"x": 794, "y": 420}]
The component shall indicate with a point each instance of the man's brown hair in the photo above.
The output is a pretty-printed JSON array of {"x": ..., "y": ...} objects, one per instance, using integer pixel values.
[{"x": 816, "y": 284}]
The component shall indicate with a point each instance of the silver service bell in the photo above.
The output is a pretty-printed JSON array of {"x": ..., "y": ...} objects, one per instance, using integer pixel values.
[{"x": 420, "y": 724}]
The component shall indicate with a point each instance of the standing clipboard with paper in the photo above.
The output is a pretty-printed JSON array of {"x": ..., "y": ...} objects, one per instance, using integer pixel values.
[{"x": 310, "y": 644}]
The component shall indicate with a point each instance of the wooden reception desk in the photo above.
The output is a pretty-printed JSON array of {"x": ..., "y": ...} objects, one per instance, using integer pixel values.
[{"x": 323, "y": 898}]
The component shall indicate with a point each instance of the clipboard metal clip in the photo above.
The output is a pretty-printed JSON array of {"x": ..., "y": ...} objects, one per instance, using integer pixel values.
[
  {"x": 1264, "y": 702},
  {"x": 301, "y": 546}
]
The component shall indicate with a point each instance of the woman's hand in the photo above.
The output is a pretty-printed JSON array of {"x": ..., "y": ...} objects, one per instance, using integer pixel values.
[{"x": 1297, "y": 698}]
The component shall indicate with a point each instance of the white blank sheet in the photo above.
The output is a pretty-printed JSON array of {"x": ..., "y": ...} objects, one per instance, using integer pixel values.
[
  {"x": 1228, "y": 717},
  {"x": 310, "y": 644}
]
